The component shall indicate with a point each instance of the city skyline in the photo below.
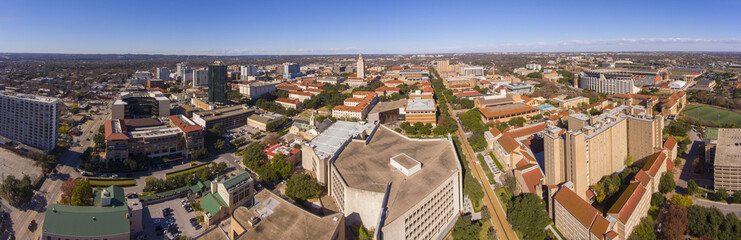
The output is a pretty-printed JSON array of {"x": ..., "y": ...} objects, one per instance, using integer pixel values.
[{"x": 334, "y": 27}]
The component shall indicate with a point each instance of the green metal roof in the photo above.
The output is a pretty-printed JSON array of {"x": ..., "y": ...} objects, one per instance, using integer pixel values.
[
  {"x": 117, "y": 193},
  {"x": 229, "y": 183},
  {"x": 212, "y": 203},
  {"x": 77, "y": 221}
]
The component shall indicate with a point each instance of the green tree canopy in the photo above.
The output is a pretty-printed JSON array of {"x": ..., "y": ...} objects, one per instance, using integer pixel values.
[
  {"x": 692, "y": 188},
  {"x": 528, "y": 215},
  {"x": 302, "y": 186},
  {"x": 667, "y": 183},
  {"x": 15, "y": 190},
  {"x": 82, "y": 194},
  {"x": 644, "y": 230}
]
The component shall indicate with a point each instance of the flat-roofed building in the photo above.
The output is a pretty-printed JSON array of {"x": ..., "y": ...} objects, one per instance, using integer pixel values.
[
  {"x": 272, "y": 217},
  {"x": 322, "y": 149},
  {"x": 503, "y": 113},
  {"x": 255, "y": 90},
  {"x": 175, "y": 136},
  {"x": 415, "y": 183},
  {"x": 229, "y": 117},
  {"x": 265, "y": 121},
  {"x": 607, "y": 81},
  {"x": 572, "y": 102},
  {"x": 519, "y": 88},
  {"x": 29, "y": 119},
  {"x": 727, "y": 161},
  {"x": 385, "y": 112},
  {"x": 596, "y": 146},
  {"x": 131, "y": 105},
  {"x": 420, "y": 110}
]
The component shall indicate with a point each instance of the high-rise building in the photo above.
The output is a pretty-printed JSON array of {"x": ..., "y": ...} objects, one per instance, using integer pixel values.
[
  {"x": 472, "y": 71},
  {"x": 181, "y": 70},
  {"x": 217, "y": 87},
  {"x": 163, "y": 73},
  {"x": 443, "y": 66},
  {"x": 29, "y": 119},
  {"x": 361, "y": 66},
  {"x": 291, "y": 70},
  {"x": 605, "y": 81},
  {"x": 246, "y": 71},
  {"x": 727, "y": 160},
  {"x": 595, "y": 146},
  {"x": 200, "y": 78}
]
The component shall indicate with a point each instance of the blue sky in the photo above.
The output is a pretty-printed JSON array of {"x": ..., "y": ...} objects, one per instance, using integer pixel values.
[{"x": 351, "y": 26}]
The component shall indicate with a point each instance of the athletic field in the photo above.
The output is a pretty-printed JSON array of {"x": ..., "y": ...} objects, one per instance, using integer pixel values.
[{"x": 711, "y": 114}]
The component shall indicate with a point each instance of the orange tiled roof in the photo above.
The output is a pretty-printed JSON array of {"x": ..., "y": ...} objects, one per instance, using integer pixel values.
[
  {"x": 600, "y": 226},
  {"x": 654, "y": 163},
  {"x": 670, "y": 143},
  {"x": 387, "y": 89},
  {"x": 643, "y": 177},
  {"x": 185, "y": 126},
  {"x": 628, "y": 201},
  {"x": 533, "y": 177},
  {"x": 301, "y": 93},
  {"x": 519, "y": 110},
  {"x": 288, "y": 100},
  {"x": 110, "y": 135},
  {"x": 577, "y": 207}
]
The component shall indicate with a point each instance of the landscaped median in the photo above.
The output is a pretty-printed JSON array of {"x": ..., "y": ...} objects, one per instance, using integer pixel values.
[
  {"x": 107, "y": 182},
  {"x": 189, "y": 170}
]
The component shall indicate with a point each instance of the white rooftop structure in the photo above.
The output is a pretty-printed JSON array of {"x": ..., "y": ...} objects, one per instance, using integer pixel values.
[
  {"x": 334, "y": 137},
  {"x": 420, "y": 104}
]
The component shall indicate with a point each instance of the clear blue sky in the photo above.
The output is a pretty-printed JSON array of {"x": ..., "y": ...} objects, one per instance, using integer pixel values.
[{"x": 353, "y": 26}]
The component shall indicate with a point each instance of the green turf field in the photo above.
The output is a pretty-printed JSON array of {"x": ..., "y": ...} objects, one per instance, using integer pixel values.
[{"x": 710, "y": 114}]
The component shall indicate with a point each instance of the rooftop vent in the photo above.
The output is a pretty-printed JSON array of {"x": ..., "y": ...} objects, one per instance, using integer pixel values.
[{"x": 405, "y": 164}]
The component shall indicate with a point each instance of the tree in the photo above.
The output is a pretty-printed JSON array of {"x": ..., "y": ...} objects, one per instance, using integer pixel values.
[
  {"x": 467, "y": 103},
  {"x": 46, "y": 162},
  {"x": 281, "y": 165},
  {"x": 15, "y": 190},
  {"x": 730, "y": 228},
  {"x": 681, "y": 200},
  {"x": 302, "y": 186},
  {"x": 674, "y": 223},
  {"x": 721, "y": 194},
  {"x": 527, "y": 214},
  {"x": 657, "y": 199},
  {"x": 667, "y": 183},
  {"x": 199, "y": 154},
  {"x": 692, "y": 188},
  {"x": 644, "y": 230},
  {"x": 67, "y": 187},
  {"x": 465, "y": 229},
  {"x": 219, "y": 144},
  {"x": 82, "y": 194},
  {"x": 629, "y": 160},
  {"x": 704, "y": 221},
  {"x": 271, "y": 139},
  {"x": 735, "y": 198}
]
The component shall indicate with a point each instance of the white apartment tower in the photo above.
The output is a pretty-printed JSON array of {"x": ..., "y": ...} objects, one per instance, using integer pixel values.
[
  {"x": 29, "y": 119},
  {"x": 163, "y": 73},
  {"x": 247, "y": 70},
  {"x": 361, "y": 66},
  {"x": 200, "y": 78}
]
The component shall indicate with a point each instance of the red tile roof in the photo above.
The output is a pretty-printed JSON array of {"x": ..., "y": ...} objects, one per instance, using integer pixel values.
[
  {"x": 186, "y": 127},
  {"x": 533, "y": 177},
  {"x": 643, "y": 177},
  {"x": 628, "y": 201},
  {"x": 600, "y": 226},
  {"x": 577, "y": 207},
  {"x": 301, "y": 93},
  {"x": 288, "y": 100},
  {"x": 654, "y": 163},
  {"x": 670, "y": 143},
  {"x": 110, "y": 135},
  {"x": 387, "y": 89}
]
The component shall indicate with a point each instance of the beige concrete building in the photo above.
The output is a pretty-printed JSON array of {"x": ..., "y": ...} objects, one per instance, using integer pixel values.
[
  {"x": 272, "y": 217},
  {"x": 229, "y": 117},
  {"x": 630, "y": 208},
  {"x": 599, "y": 145},
  {"x": 414, "y": 184},
  {"x": 576, "y": 219},
  {"x": 29, "y": 119},
  {"x": 175, "y": 137},
  {"x": 323, "y": 149},
  {"x": 572, "y": 102},
  {"x": 420, "y": 110},
  {"x": 727, "y": 161},
  {"x": 140, "y": 105}
]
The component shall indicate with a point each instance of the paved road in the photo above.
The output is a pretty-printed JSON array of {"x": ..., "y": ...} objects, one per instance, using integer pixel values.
[
  {"x": 498, "y": 216},
  {"x": 723, "y": 207},
  {"x": 704, "y": 180},
  {"x": 49, "y": 191}
]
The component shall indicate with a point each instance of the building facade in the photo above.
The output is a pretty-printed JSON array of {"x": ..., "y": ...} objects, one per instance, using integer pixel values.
[
  {"x": 727, "y": 160},
  {"x": 255, "y": 90},
  {"x": 131, "y": 105},
  {"x": 607, "y": 82},
  {"x": 229, "y": 117},
  {"x": 178, "y": 136},
  {"x": 217, "y": 84},
  {"x": 31, "y": 120},
  {"x": 361, "y": 66}
]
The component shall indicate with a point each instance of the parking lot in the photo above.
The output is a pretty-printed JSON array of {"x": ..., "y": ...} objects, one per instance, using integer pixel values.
[
  {"x": 13, "y": 164},
  {"x": 153, "y": 217},
  {"x": 243, "y": 131}
]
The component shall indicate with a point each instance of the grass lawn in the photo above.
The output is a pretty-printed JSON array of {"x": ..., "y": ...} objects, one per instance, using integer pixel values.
[
  {"x": 106, "y": 182},
  {"x": 187, "y": 170},
  {"x": 496, "y": 161},
  {"x": 711, "y": 114},
  {"x": 508, "y": 195},
  {"x": 487, "y": 171}
]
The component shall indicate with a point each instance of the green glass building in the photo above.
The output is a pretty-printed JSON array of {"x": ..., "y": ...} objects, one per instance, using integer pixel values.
[{"x": 217, "y": 88}]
